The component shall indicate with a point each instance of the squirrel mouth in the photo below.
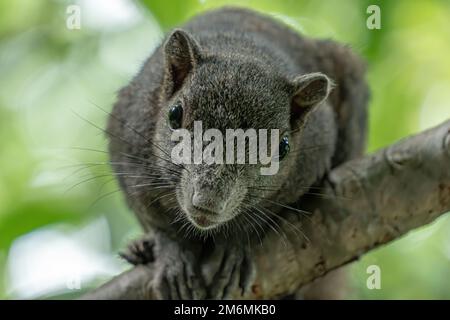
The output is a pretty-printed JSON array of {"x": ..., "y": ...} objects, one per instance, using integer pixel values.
[{"x": 202, "y": 221}]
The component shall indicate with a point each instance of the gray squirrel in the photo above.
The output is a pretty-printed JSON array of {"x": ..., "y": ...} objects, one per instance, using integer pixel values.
[{"x": 229, "y": 68}]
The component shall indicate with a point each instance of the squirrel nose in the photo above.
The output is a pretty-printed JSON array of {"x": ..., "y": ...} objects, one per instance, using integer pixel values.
[{"x": 203, "y": 202}]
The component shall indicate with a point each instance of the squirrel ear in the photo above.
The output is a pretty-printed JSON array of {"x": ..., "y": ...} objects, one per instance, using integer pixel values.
[
  {"x": 181, "y": 55},
  {"x": 309, "y": 90}
]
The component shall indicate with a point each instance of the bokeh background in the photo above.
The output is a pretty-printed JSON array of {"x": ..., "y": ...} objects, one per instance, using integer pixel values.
[{"x": 62, "y": 220}]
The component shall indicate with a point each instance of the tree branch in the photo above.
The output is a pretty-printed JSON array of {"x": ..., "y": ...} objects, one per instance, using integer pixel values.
[{"x": 369, "y": 202}]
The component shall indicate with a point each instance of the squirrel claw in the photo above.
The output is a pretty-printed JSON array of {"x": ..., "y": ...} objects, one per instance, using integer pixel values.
[
  {"x": 236, "y": 272},
  {"x": 176, "y": 279},
  {"x": 139, "y": 251}
]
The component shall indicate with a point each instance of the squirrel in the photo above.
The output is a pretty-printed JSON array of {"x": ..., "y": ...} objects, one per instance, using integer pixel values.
[{"x": 229, "y": 68}]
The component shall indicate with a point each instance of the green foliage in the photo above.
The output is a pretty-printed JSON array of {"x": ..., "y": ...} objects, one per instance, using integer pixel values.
[{"x": 50, "y": 74}]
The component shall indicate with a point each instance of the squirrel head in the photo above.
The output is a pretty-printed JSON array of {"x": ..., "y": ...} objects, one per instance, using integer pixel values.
[{"x": 230, "y": 91}]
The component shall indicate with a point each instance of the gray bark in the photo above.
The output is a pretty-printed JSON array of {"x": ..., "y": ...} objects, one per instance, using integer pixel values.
[{"x": 368, "y": 202}]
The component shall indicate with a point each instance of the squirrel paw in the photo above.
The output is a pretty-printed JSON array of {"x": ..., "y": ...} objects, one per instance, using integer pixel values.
[
  {"x": 176, "y": 276},
  {"x": 139, "y": 251},
  {"x": 235, "y": 271}
]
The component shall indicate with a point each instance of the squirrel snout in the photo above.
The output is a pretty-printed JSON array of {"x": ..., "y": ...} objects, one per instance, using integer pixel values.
[{"x": 205, "y": 203}]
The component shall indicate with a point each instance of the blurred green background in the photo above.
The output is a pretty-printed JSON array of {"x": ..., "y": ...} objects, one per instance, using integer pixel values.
[{"x": 61, "y": 218}]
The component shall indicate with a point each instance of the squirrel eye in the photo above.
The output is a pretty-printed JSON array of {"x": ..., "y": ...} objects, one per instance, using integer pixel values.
[
  {"x": 284, "y": 147},
  {"x": 175, "y": 116}
]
